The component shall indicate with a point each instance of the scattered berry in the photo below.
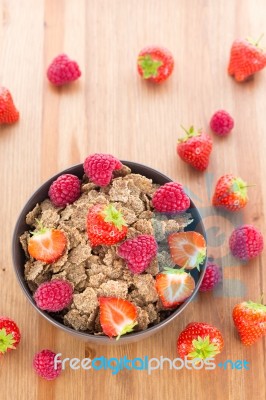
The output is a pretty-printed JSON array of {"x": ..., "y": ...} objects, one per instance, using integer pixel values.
[
  {"x": 117, "y": 316},
  {"x": 246, "y": 242},
  {"x": 138, "y": 252},
  {"x": 211, "y": 278},
  {"x": 99, "y": 168},
  {"x": 199, "y": 340},
  {"x": 221, "y": 123},
  {"x": 170, "y": 197},
  {"x": 250, "y": 320},
  {"x": 54, "y": 296},
  {"x": 187, "y": 249},
  {"x": 47, "y": 245},
  {"x": 246, "y": 58},
  {"x": 174, "y": 286},
  {"x": 155, "y": 64},
  {"x": 9, "y": 335},
  {"x": 8, "y": 112},
  {"x": 195, "y": 149},
  {"x": 105, "y": 225},
  {"x": 62, "y": 70},
  {"x": 64, "y": 190},
  {"x": 44, "y": 365},
  {"x": 230, "y": 193}
]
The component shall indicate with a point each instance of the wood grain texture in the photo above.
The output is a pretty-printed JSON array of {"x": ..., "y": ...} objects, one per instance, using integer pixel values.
[{"x": 111, "y": 110}]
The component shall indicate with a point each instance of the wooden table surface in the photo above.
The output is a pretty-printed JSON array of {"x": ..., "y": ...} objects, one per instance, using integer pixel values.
[{"x": 110, "y": 109}]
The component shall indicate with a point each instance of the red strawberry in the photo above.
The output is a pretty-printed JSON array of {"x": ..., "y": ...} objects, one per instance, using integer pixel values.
[
  {"x": 117, "y": 316},
  {"x": 9, "y": 335},
  {"x": 105, "y": 225},
  {"x": 250, "y": 321},
  {"x": 230, "y": 193},
  {"x": 99, "y": 168},
  {"x": 138, "y": 252},
  {"x": 195, "y": 148},
  {"x": 62, "y": 70},
  {"x": 199, "y": 340},
  {"x": 187, "y": 249},
  {"x": 174, "y": 286},
  {"x": 47, "y": 245},
  {"x": 155, "y": 64},
  {"x": 170, "y": 197},
  {"x": 246, "y": 58},
  {"x": 8, "y": 112}
]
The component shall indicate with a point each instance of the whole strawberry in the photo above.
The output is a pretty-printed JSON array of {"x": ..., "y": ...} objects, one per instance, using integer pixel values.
[
  {"x": 54, "y": 296},
  {"x": 62, "y": 70},
  {"x": 195, "y": 148},
  {"x": 155, "y": 64},
  {"x": 9, "y": 335},
  {"x": 45, "y": 365},
  {"x": 199, "y": 340},
  {"x": 230, "y": 193},
  {"x": 8, "y": 112},
  {"x": 211, "y": 278},
  {"x": 170, "y": 197},
  {"x": 246, "y": 58},
  {"x": 64, "y": 190},
  {"x": 250, "y": 321},
  {"x": 138, "y": 252},
  {"x": 99, "y": 168},
  {"x": 221, "y": 123},
  {"x": 105, "y": 225},
  {"x": 246, "y": 242}
]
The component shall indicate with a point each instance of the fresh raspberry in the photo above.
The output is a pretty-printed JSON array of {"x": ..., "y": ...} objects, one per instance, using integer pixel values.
[
  {"x": 44, "y": 365},
  {"x": 170, "y": 198},
  {"x": 62, "y": 70},
  {"x": 138, "y": 252},
  {"x": 54, "y": 295},
  {"x": 99, "y": 168},
  {"x": 246, "y": 242},
  {"x": 211, "y": 278},
  {"x": 64, "y": 190},
  {"x": 221, "y": 123}
]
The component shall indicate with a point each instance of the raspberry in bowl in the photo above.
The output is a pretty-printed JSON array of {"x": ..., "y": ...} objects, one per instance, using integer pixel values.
[{"x": 115, "y": 251}]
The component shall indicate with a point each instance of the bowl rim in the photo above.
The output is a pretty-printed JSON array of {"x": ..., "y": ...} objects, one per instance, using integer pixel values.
[{"x": 100, "y": 339}]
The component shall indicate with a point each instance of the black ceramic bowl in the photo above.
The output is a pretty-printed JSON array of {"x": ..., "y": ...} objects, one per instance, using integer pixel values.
[{"x": 19, "y": 256}]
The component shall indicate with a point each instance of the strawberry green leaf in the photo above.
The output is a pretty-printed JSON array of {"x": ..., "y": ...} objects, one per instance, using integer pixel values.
[
  {"x": 190, "y": 133},
  {"x": 6, "y": 341},
  {"x": 256, "y": 306},
  {"x": 149, "y": 66},
  {"x": 112, "y": 215},
  {"x": 240, "y": 187},
  {"x": 203, "y": 348},
  {"x": 127, "y": 329}
]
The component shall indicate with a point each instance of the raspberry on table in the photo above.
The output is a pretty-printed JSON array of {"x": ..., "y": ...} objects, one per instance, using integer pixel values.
[
  {"x": 44, "y": 365},
  {"x": 221, "y": 123},
  {"x": 211, "y": 278},
  {"x": 62, "y": 70},
  {"x": 65, "y": 190},
  {"x": 246, "y": 242},
  {"x": 54, "y": 296}
]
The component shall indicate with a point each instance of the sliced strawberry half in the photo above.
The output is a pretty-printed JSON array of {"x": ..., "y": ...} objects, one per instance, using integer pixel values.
[
  {"x": 47, "y": 245},
  {"x": 174, "y": 286},
  {"x": 117, "y": 316},
  {"x": 187, "y": 249}
]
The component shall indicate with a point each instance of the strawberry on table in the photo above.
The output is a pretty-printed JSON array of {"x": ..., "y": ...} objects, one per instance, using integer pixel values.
[
  {"x": 230, "y": 193},
  {"x": 174, "y": 286},
  {"x": 155, "y": 64},
  {"x": 99, "y": 168},
  {"x": 187, "y": 249},
  {"x": 250, "y": 321},
  {"x": 8, "y": 112},
  {"x": 105, "y": 225},
  {"x": 199, "y": 340},
  {"x": 246, "y": 58},
  {"x": 62, "y": 70},
  {"x": 170, "y": 197},
  {"x": 195, "y": 148},
  {"x": 117, "y": 316},
  {"x": 47, "y": 245},
  {"x": 9, "y": 335}
]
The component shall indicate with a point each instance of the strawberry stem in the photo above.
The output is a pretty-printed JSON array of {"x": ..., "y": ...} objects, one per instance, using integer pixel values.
[
  {"x": 203, "y": 348},
  {"x": 191, "y": 132},
  {"x": 112, "y": 215},
  {"x": 127, "y": 329},
  {"x": 6, "y": 341},
  {"x": 149, "y": 66},
  {"x": 259, "y": 39}
]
